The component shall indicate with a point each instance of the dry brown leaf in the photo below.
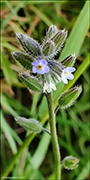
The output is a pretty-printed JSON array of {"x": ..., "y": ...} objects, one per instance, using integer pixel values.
[
  {"x": 6, "y": 88},
  {"x": 34, "y": 24}
]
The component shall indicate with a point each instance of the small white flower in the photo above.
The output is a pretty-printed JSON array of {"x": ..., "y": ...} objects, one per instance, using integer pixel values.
[
  {"x": 67, "y": 74},
  {"x": 48, "y": 87}
]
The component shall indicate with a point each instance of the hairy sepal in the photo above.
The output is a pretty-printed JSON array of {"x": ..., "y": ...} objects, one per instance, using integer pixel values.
[
  {"x": 51, "y": 31},
  {"x": 70, "y": 162},
  {"x": 31, "y": 125},
  {"x": 30, "y": 45},
  {"x": 24, "y": 59},
  {"x": 31, "y": 82},
  {"x": 68, "y": 98},
  {"x": 48, "y": 48},
  {"x": 69, "y": 61}
]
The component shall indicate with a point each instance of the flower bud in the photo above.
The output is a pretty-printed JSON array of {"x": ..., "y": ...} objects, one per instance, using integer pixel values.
[
  {"x": 69, "y": 61},
  {"x": 59, "y": 39},
  {"x": 51, "y": 31},
  {"x": 70, "y": 162},
  {"x": 29, "y": 124},
  {"x": 29, "y": 45},
  {"x": 48, "y": 48},
  {"x": 67, "y": 98}
]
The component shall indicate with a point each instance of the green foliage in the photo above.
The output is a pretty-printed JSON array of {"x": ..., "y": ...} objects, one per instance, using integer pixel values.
[{"x": 33, "y": 18}]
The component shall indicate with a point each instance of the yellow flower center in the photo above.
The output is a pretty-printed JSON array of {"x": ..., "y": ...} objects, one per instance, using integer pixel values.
[{"x": 39, "y": 66}]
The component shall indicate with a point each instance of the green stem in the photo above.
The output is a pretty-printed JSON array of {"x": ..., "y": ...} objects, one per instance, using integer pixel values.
[{"x": 56, "y": 151}]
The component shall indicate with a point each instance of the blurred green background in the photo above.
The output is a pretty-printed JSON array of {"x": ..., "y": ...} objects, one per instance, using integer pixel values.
[{"x": 31, "y": 157}]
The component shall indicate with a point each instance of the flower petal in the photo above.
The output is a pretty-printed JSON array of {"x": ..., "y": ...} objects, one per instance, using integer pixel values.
[
  {"x": 43, "y": 62},
  {"x": 70, "y": 69},
  {"x": 46, "y": 68},
  {"x": 69, "y": 76},
  {"x": 46, "y": 87},
  {"x": 52, "y": 85},
  {"x": 34, "y": 69},
  {"x": 35, "y": 63},
  {"x": 65, "y": 80},
  {"x": 40, "y": 71}
]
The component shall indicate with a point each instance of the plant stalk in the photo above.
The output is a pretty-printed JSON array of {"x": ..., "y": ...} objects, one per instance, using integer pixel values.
[{"x": 56, "y": 150}]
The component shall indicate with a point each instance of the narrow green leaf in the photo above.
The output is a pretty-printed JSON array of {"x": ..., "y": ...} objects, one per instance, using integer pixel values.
[
  {"x": 41, "y": 15},
  {"x": 85, "y": 171},
  {"x": 16, "y": 156},
  {"x": 7, "y": 107},
  {"x": 78, "y": 33},
  {"x": 9, "y": 74},
  {"x": 8, "y": 134},
  {"x": 8, "y": 46},
  {"x": 14, "y": 12}
]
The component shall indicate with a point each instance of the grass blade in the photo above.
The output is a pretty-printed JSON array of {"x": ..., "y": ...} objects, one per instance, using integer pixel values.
[
  {"x": 8, "y": 134},
  {"x": 78, "y": 33}
]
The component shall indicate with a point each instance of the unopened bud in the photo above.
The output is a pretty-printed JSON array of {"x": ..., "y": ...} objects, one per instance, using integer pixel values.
[{"x": 70, "y": 162}]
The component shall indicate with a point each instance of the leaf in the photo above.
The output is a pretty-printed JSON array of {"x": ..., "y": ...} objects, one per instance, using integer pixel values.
[
  {"x": 78, "y": 33},
  {"x": 7, "y": 107},
  {"x": 9, "y": 74},
  {"x": 8, "y": 134}
]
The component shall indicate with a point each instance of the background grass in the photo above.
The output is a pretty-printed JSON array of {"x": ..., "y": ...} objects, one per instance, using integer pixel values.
[{"x": 31, "y": 157}]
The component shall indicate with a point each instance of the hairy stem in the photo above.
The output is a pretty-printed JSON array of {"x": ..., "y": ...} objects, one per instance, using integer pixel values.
[{"x": 56, "y": 150}]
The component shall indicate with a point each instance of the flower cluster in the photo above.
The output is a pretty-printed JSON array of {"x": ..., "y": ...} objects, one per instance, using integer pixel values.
[{"x": 40, "y": 60}]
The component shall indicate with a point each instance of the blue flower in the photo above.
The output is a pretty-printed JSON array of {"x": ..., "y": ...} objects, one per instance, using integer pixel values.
[
  {"x": 67, "y": 74},
  {"x": 40, "y": 67}
]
